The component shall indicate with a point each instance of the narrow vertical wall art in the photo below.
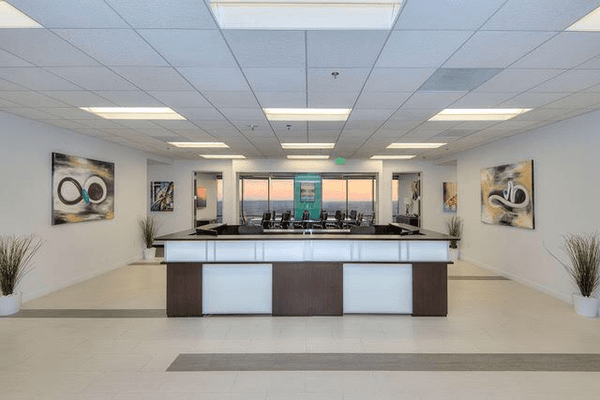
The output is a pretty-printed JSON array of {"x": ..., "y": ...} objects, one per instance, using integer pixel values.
[
  {"x": 161, "y": 196},
  {"x": 450, "y": 195}
]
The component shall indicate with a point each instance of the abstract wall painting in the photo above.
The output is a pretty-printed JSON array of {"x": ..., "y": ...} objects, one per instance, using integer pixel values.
[
  {"x": 82, "y": 189},
  {"x": 200, "y": 197},
  {"x": 450, "y": 196},
  {"x": 507, "y": 195},
  {"x": 161, "y": 196}
]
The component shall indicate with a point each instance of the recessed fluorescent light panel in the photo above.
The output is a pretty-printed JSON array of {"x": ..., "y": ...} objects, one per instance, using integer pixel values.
[
  {"x": 392, "y": 157},
  {"x": 308, "y": 146},
  {"x": 200, "y": 145},
  {"x": 478, "y": 114},
  {"x": 305, "y": 14},
  {"x": 222, "y": 156},
  {"x": 415, "y": 145},
  {"x": 590, "y": 22},
  {"x": 10, "y": 17},
  {"x": 307, "y": 157},
  {"x": 307, "y": 114},
  {"x": 133, "y": 112}
]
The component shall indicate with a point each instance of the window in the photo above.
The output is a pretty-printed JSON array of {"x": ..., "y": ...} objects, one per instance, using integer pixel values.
[
  {"x": 361, "y": 196},
  {"x": 349, "y": 192},
  {"x": 281, "y": 196},
  {"x": 255, "y": 198},
  {"x": 334, "y": 195},
  {"x": 395, "y": 209}
]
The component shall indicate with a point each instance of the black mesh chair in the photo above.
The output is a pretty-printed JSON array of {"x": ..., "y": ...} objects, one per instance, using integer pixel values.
[
  {"x": 266, "y": 220},
  {"x": 303, "y": 224},
  {"x": 285, "y": 220},
  {"x": 359, "y": 219},
  {"x": 340, "y": 221},
  {"x": 250, "y": 230},
  {"x": 322, "y": 220},
  {"x": 353, "y": 215}
]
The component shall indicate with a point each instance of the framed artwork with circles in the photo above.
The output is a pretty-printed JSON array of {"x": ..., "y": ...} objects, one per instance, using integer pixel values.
[{"x": 82, "y": 189}]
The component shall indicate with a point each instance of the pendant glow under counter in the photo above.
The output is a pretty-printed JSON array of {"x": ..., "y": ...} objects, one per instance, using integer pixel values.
[{"x": 306, "y": 274}]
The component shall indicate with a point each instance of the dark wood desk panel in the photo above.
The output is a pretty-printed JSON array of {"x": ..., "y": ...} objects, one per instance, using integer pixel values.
[
  {"x": 307, "y": 288},
  {"x": 430, "y": 289},
  {"x": 184, "y": 289}
]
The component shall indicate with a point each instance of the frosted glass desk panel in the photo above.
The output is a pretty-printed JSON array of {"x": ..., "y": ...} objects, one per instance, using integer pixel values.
[
  {"x": 378, "y": 288},
  {"x": 237, "y": 289}
]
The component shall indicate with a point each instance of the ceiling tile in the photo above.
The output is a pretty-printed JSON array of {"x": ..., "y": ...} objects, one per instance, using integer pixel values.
[
  {"x": 191, "y": 48},
  {"x": 543, "y": 15},
  {"x": 344, "y": 48},
  {"x": 43, "y": 48},
  {"x": 574, "y": 48},
  {"x": 421, "y": 48},
  {"x": 481, "y": 100},
  {"x": 570, "y": 81},
  {"x": 447, "y": 14},
  {"x": 381, "y": 100},
  {"x": 215, "y": 79},
  {"x": 69, "y": 113},
  {"x": 371, "y": 114},
  {"x": 92, "y": 78},
  {"x": 232, "y": 99},
  {"x": 282, "y": 99},
  {"x": 183, "y": 14},
  {"x": 416, "y": 114},
  {"x": 577, "y": 100},
  {"x": 154, "y": 78},
  {"x": 531, "y": 100},
  {"x": 518, "y": 80},
  {"x": 290, "y": 128},
  {"x": 79, "y": 98},
  {"x": 239, "y": 114},
  {"x": 30, "y": 99},
  {"x": 432, "y": 99},
  {"x": 348, "y": 80},
  {"x": 100, "y": 44},
  {"x": 331, "y": 99},
  {"x": 30, "y": 113},
  {"x": 8, "y": 104},
  {"x": 401, "y": 124},
  {"x": 129, "y": 98},
  {"x": 594, "y": 63},
  {"x": 397, "y": 79},
  {"x": 35, "y": 79},
  {"x": 270, "y": 49},
  {"x": 276, "y": 79},
  {"x": 177, "y": 99},
  {"x": 9, "y": 60},
  {"x": 201, "y": 114},
  {"x": 489, "y": 49},
  {"x": 70, "y": 13},
  {"x": 326, "y": 125},
  {"x": 458, "y": 79},
  {"x": 6, "y": 85}
]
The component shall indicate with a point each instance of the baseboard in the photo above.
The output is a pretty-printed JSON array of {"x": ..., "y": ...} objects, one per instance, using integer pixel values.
[
  {"x": 53, "y": 288},
  {"x": 520, "y": 279}
]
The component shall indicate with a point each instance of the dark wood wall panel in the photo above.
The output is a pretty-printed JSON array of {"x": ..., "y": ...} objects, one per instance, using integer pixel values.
[
  {"x": 184, "y": 289},
  {"x": 430, "y": 289},
  {"x": 312, "y": 288}
]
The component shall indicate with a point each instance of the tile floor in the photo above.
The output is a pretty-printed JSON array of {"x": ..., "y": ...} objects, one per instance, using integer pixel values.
[{"x": 126, "y": 358}]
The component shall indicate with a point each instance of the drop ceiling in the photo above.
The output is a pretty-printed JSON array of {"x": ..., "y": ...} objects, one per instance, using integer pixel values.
[{"x": 171, "y": 53}]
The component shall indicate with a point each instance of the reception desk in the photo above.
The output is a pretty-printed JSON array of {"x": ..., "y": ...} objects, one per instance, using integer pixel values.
[{"x": 396, "y": 270}]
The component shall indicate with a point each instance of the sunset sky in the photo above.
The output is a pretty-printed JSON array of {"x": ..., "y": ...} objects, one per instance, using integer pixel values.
[{"x": 333, "y": 190}]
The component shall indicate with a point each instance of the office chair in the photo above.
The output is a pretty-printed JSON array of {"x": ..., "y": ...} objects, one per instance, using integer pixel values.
[
  {"x": 353, "y": 215},
  {"x": 285, "y": 220},
  {"x": 266, "y": 220},
  {"x": 304, "y": 223},
  {"x": 323, "y": 220}
]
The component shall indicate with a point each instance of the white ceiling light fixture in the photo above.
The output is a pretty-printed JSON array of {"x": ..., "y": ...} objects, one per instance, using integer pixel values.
[
  {"x": 590, "y": 22},
  {"x": 392, "y": 157},
  {"x": 478, "y": 114},
  {"x": 10, "y": 17},
  {"x": 305, "y": 14},
  {"x": 200, "y": 145},
  {"x": 307, "y": 157},
  {"x": 307, "y": 114},
  {"x": 415, "y": 145},
  {"x": 307, "y": 146},
  {"x": 222, "y": 156},
  {"x": 133, "y": 112}
]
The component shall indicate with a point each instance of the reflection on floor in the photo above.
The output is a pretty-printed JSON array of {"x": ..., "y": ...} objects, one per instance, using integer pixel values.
[{"x": 127, "y": 358}]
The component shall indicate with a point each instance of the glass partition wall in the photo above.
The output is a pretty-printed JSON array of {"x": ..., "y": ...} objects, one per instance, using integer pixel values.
[{"x": 275, "y": 193}]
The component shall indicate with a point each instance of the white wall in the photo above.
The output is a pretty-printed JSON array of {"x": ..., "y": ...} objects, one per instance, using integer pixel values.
[
  {"x": 566, "y": 193},
  {"x": 71, "y": 252},
  {"x": 182, "y": 172}
]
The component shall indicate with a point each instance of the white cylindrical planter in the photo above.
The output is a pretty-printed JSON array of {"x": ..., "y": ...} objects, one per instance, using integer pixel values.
[
  {"x": 453, "y": 253},
  {"x": 150, "y": 253},
  {"x": 586, "y": 306},
  {"x": 10, "y": 304}
]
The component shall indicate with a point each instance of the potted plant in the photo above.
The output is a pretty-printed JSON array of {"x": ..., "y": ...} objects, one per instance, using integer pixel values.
[
  {"x": 149, "y": 230},
  {"x": 584, "y": 269},
  {"x": 16, "y": 254},
  {"x": 454, "y": 226}
]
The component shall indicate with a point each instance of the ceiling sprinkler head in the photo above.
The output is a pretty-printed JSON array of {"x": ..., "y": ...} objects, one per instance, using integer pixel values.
[
  {"x": 335, "y": 74},
  {"x": 288, "y": 126},
  {"x": 252, "y": 126}
]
